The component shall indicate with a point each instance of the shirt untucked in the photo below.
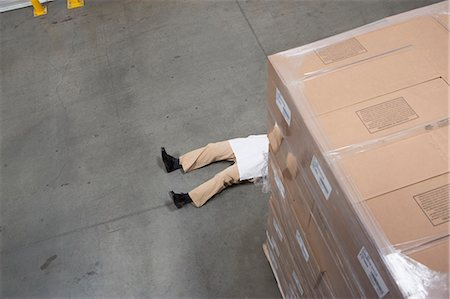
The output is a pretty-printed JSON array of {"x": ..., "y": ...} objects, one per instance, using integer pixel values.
[{"x": 251, "y": 155}]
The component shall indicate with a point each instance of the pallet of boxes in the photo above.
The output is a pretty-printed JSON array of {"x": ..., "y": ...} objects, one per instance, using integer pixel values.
[{"x": 358, "y": 126}]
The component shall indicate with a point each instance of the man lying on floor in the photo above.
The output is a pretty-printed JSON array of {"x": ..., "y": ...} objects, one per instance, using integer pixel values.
[{"x": 250, "y": 162}]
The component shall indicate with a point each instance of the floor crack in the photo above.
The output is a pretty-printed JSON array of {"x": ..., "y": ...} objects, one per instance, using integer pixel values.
[
  {"x": 84, "y": 228},
  {"x": 251, "y": 27}
]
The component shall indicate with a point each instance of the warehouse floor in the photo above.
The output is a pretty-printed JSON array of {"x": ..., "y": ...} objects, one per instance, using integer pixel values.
[{"x": 89, "y": 96}]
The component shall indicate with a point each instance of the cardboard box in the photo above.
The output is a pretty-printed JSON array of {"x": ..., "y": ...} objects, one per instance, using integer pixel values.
[
  {"x": 296, "y": 242},
  {"x": 295, "y": 280},
  {"x": 335, "y": 223},
  {"x": 365, "y": 44},
  {"x": 341, "y": 283},
  {"x": 274, "y": 254},
  {"x": 283, "y": 184},
  {"x": 345, "y": 251},
  {"x": 363, "y": 119},
  {"x": 404, "y": 112},
  {"x": 426, "y": 202},
  {"x": 396, "y": 165},
  {"x": 292, "y": 281}
]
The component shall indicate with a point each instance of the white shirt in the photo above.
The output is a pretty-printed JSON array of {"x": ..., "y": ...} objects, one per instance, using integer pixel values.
[{"x": 251, "y": 156}]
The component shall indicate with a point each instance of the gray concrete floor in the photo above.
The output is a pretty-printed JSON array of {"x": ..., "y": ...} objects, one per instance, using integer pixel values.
[{"x": 88, "y": 96}]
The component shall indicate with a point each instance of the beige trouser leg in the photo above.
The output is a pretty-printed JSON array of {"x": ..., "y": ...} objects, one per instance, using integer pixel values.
[
  {"x": 220, "y": 181},
  {"x": 212, "y": 152}
]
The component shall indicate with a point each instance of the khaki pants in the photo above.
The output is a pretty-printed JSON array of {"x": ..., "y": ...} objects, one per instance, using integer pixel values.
[{"x": 219, "y": 151}]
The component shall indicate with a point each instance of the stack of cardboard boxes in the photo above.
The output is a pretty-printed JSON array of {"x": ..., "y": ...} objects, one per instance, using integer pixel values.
[{"x": 358, "y": 161}]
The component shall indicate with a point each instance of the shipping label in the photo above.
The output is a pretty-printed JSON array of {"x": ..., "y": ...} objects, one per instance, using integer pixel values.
[
  {"x": 372, "y": 273},
  {"x": 340, "y": 51},
  {"x": 386, "y": 115},
  {"x": 321, "y": 179},
  {"x": 283, "y": 107},
  {"x": 435, "y": 204}
]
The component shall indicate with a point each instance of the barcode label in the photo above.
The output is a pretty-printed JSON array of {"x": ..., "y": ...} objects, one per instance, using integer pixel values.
[
  {"x": 320, "y": 177},
  {"x": 372, "y": 273},
  {"x": 273, "y": 244},
  {"x": 297, "y": 283},
  {"x": 283, "y": 107},
  {"x": 279, "y": 184},
  {"x": 277, "y": 229},
  {"x": 301, "y": 243}
]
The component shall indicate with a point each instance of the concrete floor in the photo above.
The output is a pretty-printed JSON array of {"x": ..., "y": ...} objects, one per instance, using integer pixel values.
[{"x": 88, "y": 96}]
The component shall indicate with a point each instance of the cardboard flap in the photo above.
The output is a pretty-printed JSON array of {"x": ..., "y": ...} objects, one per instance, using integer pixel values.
[{"x": 275, "y": 137}]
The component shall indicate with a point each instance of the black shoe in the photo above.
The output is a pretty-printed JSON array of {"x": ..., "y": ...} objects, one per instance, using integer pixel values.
[
  {"x": 171, "y": 163},
  {"x": 180, "y": 199}
]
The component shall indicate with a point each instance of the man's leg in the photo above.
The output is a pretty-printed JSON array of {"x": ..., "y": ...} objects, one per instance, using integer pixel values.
[
  {"x": 220, "y": 181},
  {"x": 218, "y": 151}
]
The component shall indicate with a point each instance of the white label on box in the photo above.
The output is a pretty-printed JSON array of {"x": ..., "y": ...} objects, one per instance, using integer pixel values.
[
  {"x": 301, "y": 243},
  {"x": 272, "y": 243},
  {"x": 277, "y": 229},
  {"x": 320, "y": 177},
  {"x": 297, "y": 283},
  {"x": 279, "y": 184},
  {"x": 372, "y": 273},
  {"x": 283, "y": 106}
]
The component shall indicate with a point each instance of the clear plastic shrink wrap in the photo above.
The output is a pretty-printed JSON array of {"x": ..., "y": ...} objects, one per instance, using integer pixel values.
[{"x": 358, "y": 161}]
